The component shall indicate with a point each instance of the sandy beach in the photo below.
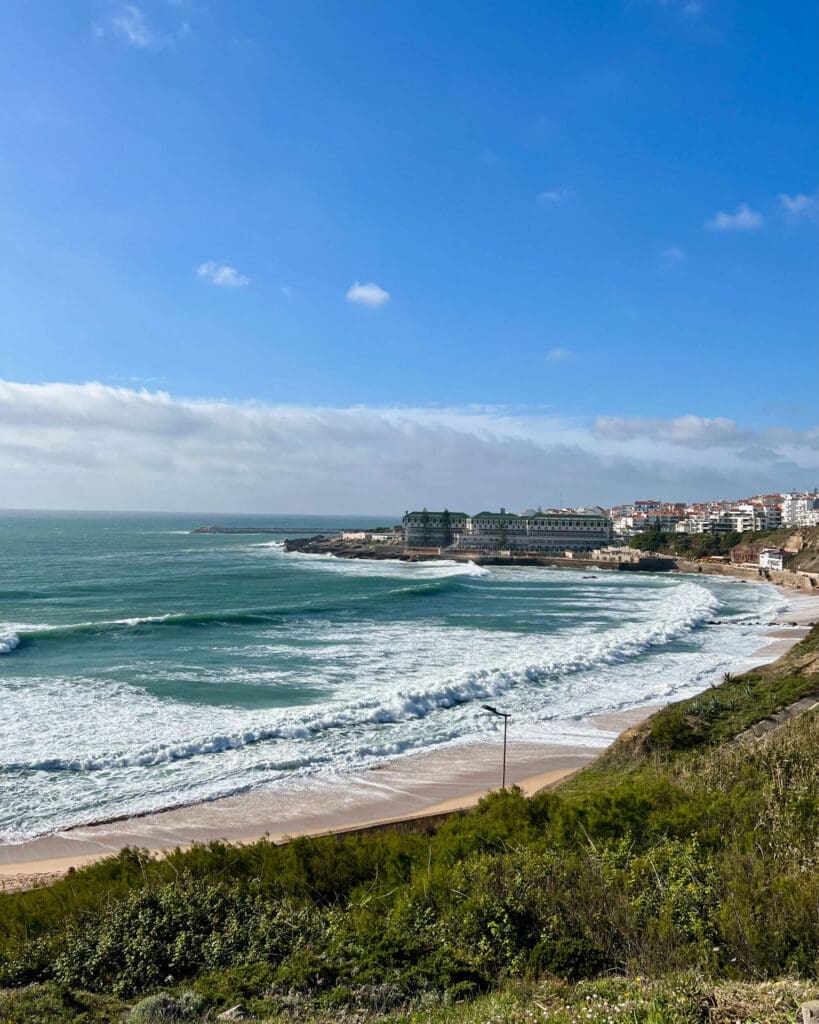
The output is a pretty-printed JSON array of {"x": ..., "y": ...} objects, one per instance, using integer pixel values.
[
  {"x": 424, "y": 784},
  {"x": 803, "y": 610},
  {"x": 404, "y": 788}
]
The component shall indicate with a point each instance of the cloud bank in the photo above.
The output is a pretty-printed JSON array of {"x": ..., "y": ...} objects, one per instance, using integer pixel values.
[{"x": 93, "y": 446}]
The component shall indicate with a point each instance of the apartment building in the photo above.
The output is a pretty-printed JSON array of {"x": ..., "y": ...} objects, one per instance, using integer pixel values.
[{"x": 800, "y": 508}]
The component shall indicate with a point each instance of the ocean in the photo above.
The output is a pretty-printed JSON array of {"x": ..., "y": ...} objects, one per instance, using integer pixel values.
[{"x": 142, "y": 667}]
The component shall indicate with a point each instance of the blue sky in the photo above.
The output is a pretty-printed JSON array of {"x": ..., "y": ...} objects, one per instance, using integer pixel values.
[{"x": 594, "y": 220}]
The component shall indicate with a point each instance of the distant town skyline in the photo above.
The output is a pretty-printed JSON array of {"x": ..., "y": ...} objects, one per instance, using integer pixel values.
[{"x": 352, "y": 258}]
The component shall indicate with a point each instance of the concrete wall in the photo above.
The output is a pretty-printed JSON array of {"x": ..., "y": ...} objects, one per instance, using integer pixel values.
[{"x": 784, "y": 577}]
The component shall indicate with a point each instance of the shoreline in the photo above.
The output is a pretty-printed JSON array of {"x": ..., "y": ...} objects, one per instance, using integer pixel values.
[{"x": 403, "y": 789}]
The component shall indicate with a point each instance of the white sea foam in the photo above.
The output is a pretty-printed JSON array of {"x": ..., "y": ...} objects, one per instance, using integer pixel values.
[
  {"x": 393, "y": 568},
  {"x": 451, "y": 682},
  {"x": 135, "y": 620},
  {"x": 8, "y": 641},
  {"x": 384, "y": 687}
]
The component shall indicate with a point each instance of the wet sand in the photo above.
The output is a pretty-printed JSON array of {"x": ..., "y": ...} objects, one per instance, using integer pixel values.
[
  {"x": 410, "y": 787},
  {"x": 803, "y": 609}
]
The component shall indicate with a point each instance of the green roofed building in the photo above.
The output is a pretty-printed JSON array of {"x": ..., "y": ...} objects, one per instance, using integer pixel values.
[
  {"x": 544, "y": 532},
  {"x": 426, "y": 529}
]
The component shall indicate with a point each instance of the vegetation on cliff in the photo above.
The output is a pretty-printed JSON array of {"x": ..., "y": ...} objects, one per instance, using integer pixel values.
[
  {"x": 680, "y": 856},
  {"x": 801, "y": 544},
  {"x": 689, "y": 545}
]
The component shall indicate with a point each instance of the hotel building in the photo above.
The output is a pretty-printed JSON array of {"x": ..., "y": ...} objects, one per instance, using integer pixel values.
[{"x": 543, "y": 532}]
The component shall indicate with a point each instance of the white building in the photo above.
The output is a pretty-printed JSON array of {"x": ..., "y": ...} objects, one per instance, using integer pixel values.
[
  {"x": 772, "y": 558},
  {"x": 797, "y": 507},
  {"x": 741, "y": 518}
]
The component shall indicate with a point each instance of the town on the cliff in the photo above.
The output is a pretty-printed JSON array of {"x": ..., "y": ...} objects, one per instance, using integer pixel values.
[{"x": 591, "y": 537}]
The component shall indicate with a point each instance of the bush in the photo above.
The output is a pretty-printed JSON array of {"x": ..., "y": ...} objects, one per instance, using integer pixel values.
[
  {"x": 163, "y": 1008},
  {"x": 673, "y": 729},
  {"x": 568, "y": 958}
]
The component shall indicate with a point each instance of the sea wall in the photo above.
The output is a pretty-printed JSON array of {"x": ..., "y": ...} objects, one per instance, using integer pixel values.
[
  {"x": 645, "y": 564},
  {"x": 785, "y": 577}
]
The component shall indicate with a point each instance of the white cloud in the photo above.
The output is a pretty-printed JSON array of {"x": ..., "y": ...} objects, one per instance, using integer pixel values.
[
  {"x": 555, "y": 195},
  {"x": 743, "y": 219},
  {"x": 223, "y": 275},
  {"x": 689, "y": 431},
  {"x": 369, "y": 294},
  {"x": 674, "y": 255},
  {"x": 98, "y": 446},
  {"x": 800, "y": 205},
  {"x": 130, "y": 25},
  {"x": 560, "y": 355}
]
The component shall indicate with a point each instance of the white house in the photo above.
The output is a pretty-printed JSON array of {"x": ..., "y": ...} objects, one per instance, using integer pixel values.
[{"x": 772, "y": 558}]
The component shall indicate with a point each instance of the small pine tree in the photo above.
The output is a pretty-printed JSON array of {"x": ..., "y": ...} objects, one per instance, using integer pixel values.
[{"x": 446, "y": 528}]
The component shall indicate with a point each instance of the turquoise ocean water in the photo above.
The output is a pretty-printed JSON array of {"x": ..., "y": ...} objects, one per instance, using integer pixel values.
[{"x": 142, "y": 667}]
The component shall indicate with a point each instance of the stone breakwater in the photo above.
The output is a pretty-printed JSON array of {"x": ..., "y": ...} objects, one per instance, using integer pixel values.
[
  {"x": 258, "y": 529},
  {"x": 324, "y": 545}
]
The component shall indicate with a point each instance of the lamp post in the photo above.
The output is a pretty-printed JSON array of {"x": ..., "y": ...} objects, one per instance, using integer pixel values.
[{"x": 505, "y": 715}]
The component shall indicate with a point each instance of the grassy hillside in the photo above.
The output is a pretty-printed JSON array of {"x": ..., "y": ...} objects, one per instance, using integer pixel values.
[
  {"x": 803, "y": 544},
  {"x": 678, "y": 874},
  {"x": 694, "y": 545}
]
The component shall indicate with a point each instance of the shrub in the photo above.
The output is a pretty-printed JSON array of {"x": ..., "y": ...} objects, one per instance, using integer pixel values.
[
  {"x": 674, "y": 729},
  {"x": 163, "y": 1008}
]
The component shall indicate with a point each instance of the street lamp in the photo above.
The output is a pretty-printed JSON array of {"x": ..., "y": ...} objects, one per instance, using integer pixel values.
[{"x": 505, "y": 715}]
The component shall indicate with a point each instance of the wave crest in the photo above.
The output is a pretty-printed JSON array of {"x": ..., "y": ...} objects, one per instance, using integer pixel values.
[
  {"x": 690, "y": 607},
  {"x": 8, "y": 641}
]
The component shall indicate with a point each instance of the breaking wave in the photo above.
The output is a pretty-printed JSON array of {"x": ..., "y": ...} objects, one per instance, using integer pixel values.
[
  {"x": 422, "y": 584},
  {"x": 690, "y": 607},
  {"x": 8, "y": 641}
]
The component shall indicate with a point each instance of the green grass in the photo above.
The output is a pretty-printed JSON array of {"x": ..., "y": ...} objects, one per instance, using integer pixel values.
[{"x": 673, "y": 999}]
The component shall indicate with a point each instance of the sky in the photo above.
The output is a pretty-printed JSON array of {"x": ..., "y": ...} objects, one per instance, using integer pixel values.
[{"x": 365, "y": 256}]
